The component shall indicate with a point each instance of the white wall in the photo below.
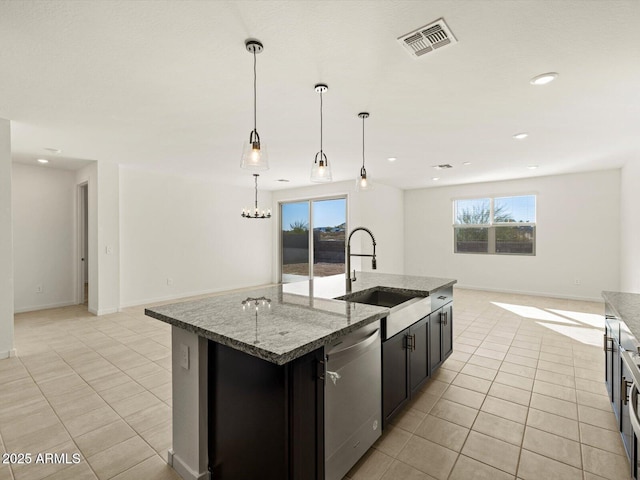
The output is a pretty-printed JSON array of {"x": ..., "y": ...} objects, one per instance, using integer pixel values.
[
  {"x": 6, "y": 243},
  {"x": 188, "y": 230},
  {"x": 44, "y": 237},
  {"x": 630, "y": 227},
  {"x": 578, "y": 237},
  {"x": 380, "y": 210}
]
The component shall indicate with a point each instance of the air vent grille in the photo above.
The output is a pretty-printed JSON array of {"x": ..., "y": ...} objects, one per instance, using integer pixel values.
[{"x": 427, "y": 39}]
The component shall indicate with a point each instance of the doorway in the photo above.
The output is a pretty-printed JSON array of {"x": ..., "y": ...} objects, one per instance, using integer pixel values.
[{"x": 83, "y": 244}]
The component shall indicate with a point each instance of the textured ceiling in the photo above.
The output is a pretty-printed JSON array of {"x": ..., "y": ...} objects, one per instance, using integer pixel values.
[{"x": 167, "y": 85}]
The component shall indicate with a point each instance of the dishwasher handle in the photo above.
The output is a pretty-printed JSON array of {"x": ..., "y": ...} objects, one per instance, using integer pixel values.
[{"x": 353, "y": 349}]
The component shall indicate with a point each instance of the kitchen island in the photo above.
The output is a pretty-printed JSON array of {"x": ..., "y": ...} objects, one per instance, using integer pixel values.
[
  {"x": 248, "y": 384},
  {"x": 622, "y": 370}
]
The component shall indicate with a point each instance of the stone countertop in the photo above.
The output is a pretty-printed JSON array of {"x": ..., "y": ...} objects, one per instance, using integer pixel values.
[
  {"x": 627, "y": 308},
  {"x": 299, "y": 317}
]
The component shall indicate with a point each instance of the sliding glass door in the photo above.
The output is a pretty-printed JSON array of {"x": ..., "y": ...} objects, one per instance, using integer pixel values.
[
  {"x": 317, "y": 251},
  {"x": 294, "y": 241}
]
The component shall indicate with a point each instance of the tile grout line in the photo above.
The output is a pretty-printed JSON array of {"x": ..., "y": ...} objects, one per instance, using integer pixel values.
[
  {"x": 58, "y": 417},
  {"x": 4, "y": 447},
  {"x": 97, "y": 393}
]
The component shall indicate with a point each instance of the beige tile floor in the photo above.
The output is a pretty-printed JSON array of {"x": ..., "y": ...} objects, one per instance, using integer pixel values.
[
  {"x": 522, "y": 396},
  {"x": 97, "y": 386}
]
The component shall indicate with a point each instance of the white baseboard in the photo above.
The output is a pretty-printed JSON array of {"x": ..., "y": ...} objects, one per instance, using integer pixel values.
[
  {"x": 34, "y": 308},
  {"x": 183, "y": 469},
  {"x": 8, "y": 353},
  {"x": 533, "y": 294},
  {"x": 107, "y": 311}
]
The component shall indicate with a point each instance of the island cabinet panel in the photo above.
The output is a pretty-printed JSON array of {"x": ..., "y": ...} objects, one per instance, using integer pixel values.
[
  {"x": 441, "y": 335},
  {"x": 395, "y": 379},
  {"x": 435, "y": 341},
  {"x": 265, "y": 420},
  {"x": 405, "y": 367},
  {"x": 419, "y": 354},
  {"x": 447, "y": 331}
]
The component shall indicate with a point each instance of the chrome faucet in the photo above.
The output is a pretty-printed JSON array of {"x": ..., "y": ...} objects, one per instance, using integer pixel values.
[{"x": 374, "y": 264}]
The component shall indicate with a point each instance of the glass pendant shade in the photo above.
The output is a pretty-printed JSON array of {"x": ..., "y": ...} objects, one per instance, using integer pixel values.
[
  {"x": 363, "y": 182},
  {"x": 321, "y": 170},
  {"x": 254, "y": 154}
]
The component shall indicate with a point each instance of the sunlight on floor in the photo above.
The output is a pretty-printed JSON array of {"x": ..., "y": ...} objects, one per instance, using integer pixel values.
[
  {"x": 534, "y": 313},
  {"x": 588, "y": 335},
  {"x": 583, "y": 327},
  {"x": 596, "y": 321}
]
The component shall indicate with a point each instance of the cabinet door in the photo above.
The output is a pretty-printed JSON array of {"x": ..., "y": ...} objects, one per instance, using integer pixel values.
[
  {"x": 435, "y": 347},
  {"x": 447, "y": 331},
  {"x": 395, "y": 385},
  {"x": 608, "y": 365},
  {"x": 625, "y": 420},
  {"x": 616, "y": 375},
  {"x": 419, "y": 354}
]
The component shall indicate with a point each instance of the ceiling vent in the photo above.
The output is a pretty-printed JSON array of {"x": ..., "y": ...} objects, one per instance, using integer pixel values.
[
  {"x": 428, "y": 39},
  {"x": 443, "y": 166}
]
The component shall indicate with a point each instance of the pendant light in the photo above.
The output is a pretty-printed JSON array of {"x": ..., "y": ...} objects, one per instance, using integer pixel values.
[
  {"x": 321, "y": 170},
  {"x": 254, "y": 153},
  {"x": 363, "y": 182},
  {"x": 248, "y": 213}
]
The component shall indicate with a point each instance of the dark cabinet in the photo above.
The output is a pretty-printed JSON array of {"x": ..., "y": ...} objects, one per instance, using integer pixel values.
[
  {"x": 617, "y": 343},
  {"x": 435, "y": 343},
  {"x": 625, "y": 419},
  {"x": 265, "y": 420},
  {"x": 441, "y": 335},
  {"x": 419, "y": 354},
  {"x": 613, "y": 360},
  {"x": 608, "y": 358},
  {"x": 405, "y": 367},
  {"x": 395, "y": 381}
]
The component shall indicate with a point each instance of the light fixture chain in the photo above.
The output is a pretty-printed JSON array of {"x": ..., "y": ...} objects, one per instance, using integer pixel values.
[
  {"x": 255, "y": 76},
  {"x": 363, "y": 117},
  {"x": 321, "y": 126},
  {"x": 256, "y": 178}
]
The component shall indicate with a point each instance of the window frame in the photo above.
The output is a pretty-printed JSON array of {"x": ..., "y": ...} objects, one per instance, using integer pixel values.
[{"x": 491, "y": 226}]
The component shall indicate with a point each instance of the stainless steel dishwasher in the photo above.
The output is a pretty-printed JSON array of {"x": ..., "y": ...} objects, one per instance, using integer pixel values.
[{"x": 353, "y": 407}]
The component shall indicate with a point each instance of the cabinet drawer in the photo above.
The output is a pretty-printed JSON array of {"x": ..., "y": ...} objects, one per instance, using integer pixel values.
[{"x": 441, "y": 297}]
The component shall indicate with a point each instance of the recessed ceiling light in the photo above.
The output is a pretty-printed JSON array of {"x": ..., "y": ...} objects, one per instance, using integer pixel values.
[
  {"x": 43, "y": 160},
  {"x": 466, "y": 164},
  {"x": 543, "y": 78},
  {"x": 532, "y": 167},
  {"x": 284, "y": 180},
  {"x": 392, "y": 159},
  {"x": 521, "y": 136},
  {"x": 435, "y": 179},
  {"x": 53, "y": 150}
]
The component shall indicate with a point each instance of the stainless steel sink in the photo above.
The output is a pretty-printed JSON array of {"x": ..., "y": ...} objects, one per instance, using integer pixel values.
[
  {"x": 381, "y": 298},
  {"x": 404, "y": 308}
]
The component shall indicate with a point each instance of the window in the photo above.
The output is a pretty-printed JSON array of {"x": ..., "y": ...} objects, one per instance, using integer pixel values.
[
  {"x": 498, "y": 225},
  {"x": 315, "y": 252}
]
